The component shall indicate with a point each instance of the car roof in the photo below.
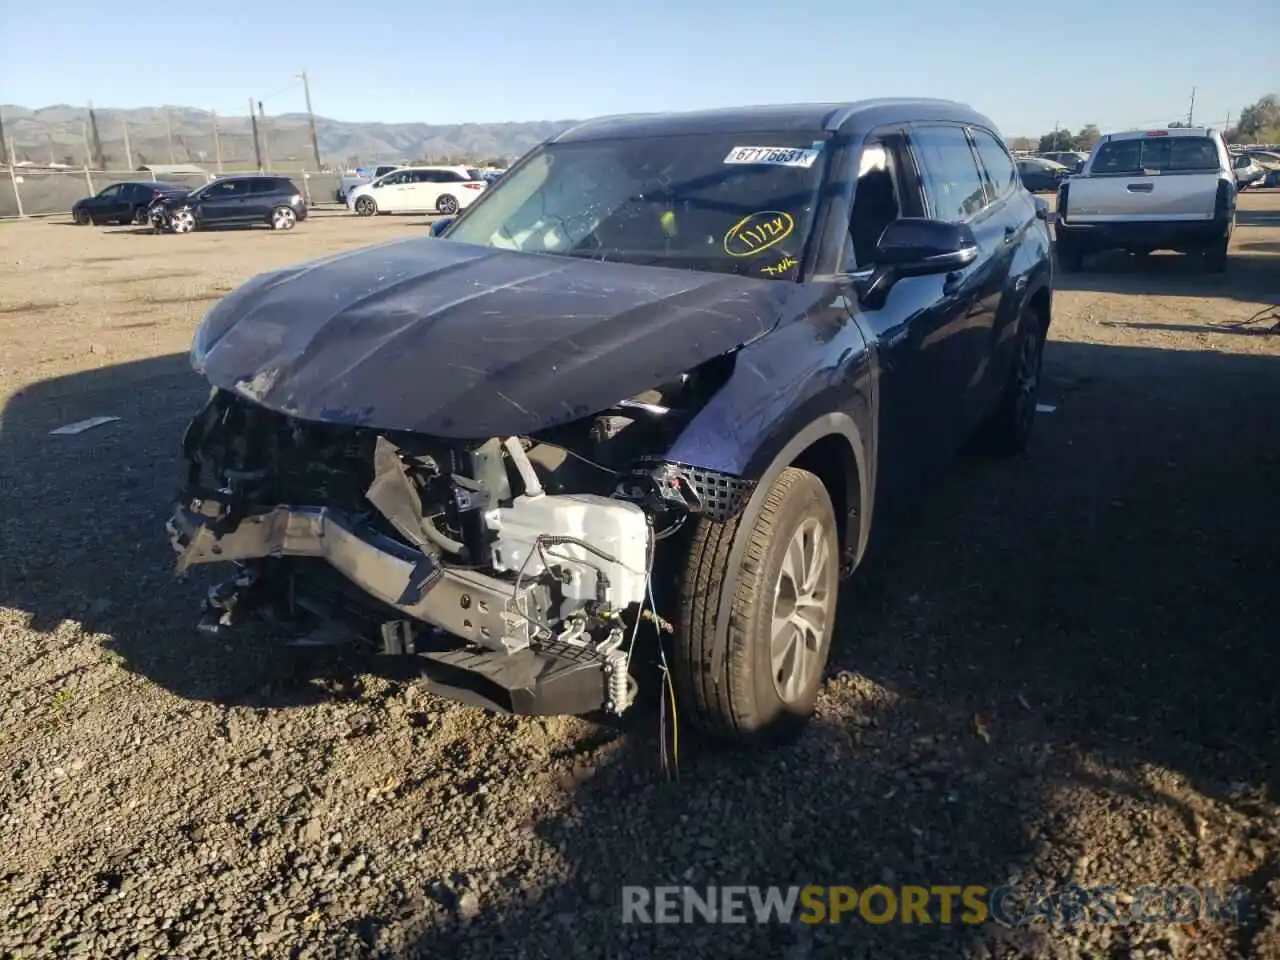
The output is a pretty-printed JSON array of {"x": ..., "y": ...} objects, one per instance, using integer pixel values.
[
  {"x": 834, "y": 118},
  {"x": 1162, "y": 131}
]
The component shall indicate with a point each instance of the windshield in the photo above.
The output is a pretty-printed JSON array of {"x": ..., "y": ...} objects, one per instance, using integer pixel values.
[
  {"x": 740, "y": 204},
  {"x": 1156, "y": 154}
]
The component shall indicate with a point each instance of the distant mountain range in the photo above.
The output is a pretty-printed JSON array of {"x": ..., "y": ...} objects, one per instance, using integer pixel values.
[{"x": 58, "y": 134}]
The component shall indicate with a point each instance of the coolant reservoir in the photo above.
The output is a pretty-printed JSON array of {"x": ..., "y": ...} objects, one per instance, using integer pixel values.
[{"x": 618, "y": 529}]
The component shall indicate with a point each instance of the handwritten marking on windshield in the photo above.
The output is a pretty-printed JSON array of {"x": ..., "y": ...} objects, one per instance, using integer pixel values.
[
  {"x": 757, "y": 232},
  {"x": 781, "y": 267}
]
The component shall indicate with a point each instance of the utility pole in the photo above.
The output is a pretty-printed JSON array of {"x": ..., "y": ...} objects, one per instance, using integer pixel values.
[
  {"x": 266, "y": 141},
  {"x": 257, "y": 140},
  {"x": 315, "y": 141},
  {"x": 84, "y": 135},
  {"x": 128, "y": 152},
  {"x": 217, "y": 140},
  {"x": 168, "y": 126},
  {"x": 98, "y": 156},
  {"x": 1191, "y": 110}
]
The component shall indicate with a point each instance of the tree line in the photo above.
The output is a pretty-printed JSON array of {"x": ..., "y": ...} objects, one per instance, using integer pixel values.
[{"x": 1258, "y": 123}]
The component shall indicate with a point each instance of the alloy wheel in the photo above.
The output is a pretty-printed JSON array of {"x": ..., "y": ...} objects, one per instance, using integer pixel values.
[{"x": 802, "y": 610}]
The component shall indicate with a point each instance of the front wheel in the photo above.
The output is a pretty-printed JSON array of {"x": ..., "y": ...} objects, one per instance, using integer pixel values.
[
  {"x": 366, "y": 207},
  {"x": 447, "y": 205},
  {"x": 283, "y": 218},
  {"x": 183, "y": 221},
  {"x": 82, "y": 217},
  {"x": 1069, "y": 258},
  {"x": 781, "y": 615}
]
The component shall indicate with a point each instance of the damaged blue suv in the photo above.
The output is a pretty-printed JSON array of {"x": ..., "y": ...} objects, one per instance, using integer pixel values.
[{"x": 643, "y": 394}]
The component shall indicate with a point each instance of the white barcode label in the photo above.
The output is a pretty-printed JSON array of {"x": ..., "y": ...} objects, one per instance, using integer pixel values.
[{"x": 773, "y": 156}]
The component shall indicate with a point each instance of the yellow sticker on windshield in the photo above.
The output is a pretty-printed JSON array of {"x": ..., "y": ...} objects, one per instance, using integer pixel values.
[{"x": 758, "y": 232}]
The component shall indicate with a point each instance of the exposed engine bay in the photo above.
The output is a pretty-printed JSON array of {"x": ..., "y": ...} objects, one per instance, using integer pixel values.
[{"x": 519, "y": 569}]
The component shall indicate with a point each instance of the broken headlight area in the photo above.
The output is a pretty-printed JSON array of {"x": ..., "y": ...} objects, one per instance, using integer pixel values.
[{"x": 518, "y": 569}]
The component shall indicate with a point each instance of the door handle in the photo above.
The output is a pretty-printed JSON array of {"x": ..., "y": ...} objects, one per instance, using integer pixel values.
[
  {"x": 1140, "y": 187},
  {"x": 1010, "y": 233}
]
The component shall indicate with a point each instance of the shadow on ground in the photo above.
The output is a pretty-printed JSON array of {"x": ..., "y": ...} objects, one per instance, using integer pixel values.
[{"x": 1112, "y": 594}]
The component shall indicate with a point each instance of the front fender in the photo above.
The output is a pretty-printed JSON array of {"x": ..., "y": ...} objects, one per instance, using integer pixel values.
[{"x": 801, "y": 383}]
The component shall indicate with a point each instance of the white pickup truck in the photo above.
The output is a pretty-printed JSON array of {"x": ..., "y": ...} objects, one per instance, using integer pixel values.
[{"x": 1168, "y": 189}]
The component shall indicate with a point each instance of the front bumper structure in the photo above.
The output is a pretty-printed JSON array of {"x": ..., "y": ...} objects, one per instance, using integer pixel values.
[{"x": 498, "y": 657}]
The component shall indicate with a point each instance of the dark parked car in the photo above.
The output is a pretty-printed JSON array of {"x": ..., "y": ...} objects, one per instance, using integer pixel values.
[
  {"x": 232, "y": 201},
  {"x": 123, "y": 202},
  {"x": 1040, "y": 176},
  {"x": 651, "y": 384},
  {"x": 1073, "y": 160}
]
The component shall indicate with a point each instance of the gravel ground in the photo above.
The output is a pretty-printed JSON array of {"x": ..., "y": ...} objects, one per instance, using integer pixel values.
[{"x": 1049, "y": 670}]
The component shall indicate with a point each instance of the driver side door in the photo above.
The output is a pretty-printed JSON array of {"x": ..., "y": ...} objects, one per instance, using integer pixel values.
[
  {"x": 392, "y": 192},
  {"x": 908, "y": 330}
]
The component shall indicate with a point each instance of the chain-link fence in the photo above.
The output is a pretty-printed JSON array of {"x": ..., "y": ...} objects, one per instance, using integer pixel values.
[{"x": 28, "y": 192}]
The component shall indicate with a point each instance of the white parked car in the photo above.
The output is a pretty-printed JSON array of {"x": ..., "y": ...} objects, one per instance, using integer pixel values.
[
  {"x": 417, "y": 190},
  {"x": 1247, "y": 170}
]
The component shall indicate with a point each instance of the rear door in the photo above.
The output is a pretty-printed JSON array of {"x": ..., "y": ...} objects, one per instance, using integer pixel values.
[
  {"x": 1007, "y": 224},
  {"x": 263, "y": 196},
  {"x": 956, "y": 355}
]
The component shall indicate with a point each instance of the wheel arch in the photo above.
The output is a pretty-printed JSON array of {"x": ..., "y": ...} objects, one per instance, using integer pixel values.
[
  {"x": 1040, "y": 301},
  {"x": 832, "y": 448}
]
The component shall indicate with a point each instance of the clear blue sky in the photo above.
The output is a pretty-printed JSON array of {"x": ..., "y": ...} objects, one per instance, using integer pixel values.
[{"x": 1026, "y": 64}]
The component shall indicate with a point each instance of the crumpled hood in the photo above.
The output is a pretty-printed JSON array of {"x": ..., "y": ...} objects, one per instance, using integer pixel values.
[{"x": 461, "y": 341}]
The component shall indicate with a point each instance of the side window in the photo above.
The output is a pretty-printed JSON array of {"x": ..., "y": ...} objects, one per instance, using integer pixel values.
[
  {"x": 875, "y": 201},
  {"x": 996, "y": 162},
  {"x": 394, "y": 180},
  {"x": 952, "y": 180},
  {"x": 111, "y": 192}
]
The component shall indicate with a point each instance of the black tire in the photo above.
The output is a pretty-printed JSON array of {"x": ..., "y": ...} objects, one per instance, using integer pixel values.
[
  {"x": 1008, "y": 429},
  {"x": 1215, "y": 257},
  {"x": 81, "y": 217},
  {"x": 366, "y": 206},
  {"x": 1069, "y": 257},
  {"x": 446, "y": 204},
  {"x": 742, "y": 704}
]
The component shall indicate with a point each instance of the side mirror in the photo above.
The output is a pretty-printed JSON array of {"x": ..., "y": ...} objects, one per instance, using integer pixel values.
[
  {"x": 1042, "y": 207},
  {"x": 440, "y": 226},
  {"x": 914, "y": 247}
]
